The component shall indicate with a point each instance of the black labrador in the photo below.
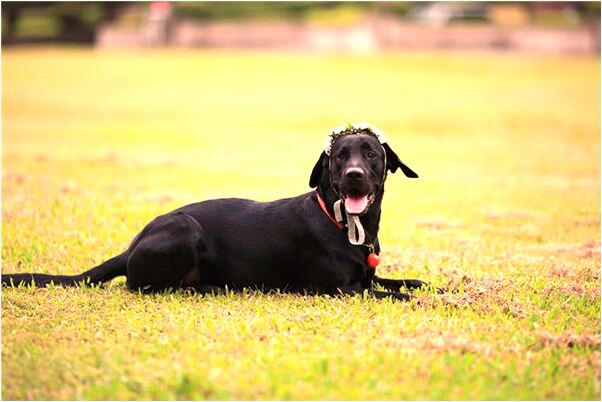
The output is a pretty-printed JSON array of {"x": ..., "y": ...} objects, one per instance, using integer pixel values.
[{"x": 294, "y": 244}]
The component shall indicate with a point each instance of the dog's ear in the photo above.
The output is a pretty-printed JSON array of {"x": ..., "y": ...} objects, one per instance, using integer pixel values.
[
  {"x": 393, "y": 163},
  {"x": 316, "y": 173}
]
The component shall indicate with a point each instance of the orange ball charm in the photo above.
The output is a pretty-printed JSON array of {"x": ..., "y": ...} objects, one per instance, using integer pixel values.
[{"x": 373, "y": 260}]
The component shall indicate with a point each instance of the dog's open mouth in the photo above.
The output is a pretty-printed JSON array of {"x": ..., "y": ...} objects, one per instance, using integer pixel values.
[{"x": 357, "y": 203}]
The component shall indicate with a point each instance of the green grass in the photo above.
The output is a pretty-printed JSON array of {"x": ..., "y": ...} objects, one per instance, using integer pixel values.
[{"x": 507, "y": 209}]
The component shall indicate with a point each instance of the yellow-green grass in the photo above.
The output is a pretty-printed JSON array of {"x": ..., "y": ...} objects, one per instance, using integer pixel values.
[{"x": 506, "y": 210}]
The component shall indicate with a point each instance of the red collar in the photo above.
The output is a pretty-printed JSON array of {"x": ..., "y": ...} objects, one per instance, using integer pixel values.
[{"x": 340, "y": 225}]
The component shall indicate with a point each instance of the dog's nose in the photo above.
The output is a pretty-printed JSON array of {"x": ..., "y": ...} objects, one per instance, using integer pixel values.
[{"x": 354, "y": 174}]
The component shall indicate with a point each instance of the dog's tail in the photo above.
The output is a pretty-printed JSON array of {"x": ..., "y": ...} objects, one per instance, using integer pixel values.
[{"x": 106, "y": 271}]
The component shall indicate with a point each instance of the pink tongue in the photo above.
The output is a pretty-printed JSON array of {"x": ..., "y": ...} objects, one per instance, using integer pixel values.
[{"x": 356, "y": 205}]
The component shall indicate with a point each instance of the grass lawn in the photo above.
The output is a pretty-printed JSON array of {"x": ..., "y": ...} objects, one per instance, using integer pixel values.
[{"x": 506, "y": 210}]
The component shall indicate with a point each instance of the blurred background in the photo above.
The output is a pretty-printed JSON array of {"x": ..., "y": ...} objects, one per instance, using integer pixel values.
[{"x": 553, "y": 27}]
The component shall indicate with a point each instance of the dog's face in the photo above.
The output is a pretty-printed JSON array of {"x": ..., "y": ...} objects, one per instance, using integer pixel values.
[{"x": 356, "y": 170}]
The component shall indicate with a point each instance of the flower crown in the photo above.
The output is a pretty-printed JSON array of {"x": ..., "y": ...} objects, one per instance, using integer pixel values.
[{"x": 352, "y": 129}]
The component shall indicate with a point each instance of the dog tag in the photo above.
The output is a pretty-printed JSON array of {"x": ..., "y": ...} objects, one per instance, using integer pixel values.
[{"x": 373, "y": 260}]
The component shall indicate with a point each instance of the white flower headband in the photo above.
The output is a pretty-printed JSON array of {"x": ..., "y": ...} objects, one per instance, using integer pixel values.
[{"x": 356, "y": 128}]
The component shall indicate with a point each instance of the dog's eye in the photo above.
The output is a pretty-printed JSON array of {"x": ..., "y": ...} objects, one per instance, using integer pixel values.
[
  {"x": 341, "y": 156},
  {"x": 371, "y": 154}
]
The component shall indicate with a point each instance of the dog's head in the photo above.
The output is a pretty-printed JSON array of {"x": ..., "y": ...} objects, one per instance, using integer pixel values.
[{"x": 354, "y": 164}]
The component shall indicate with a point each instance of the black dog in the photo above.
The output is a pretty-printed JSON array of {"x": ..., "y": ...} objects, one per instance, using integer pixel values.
[{"x": 293, "y": 244}]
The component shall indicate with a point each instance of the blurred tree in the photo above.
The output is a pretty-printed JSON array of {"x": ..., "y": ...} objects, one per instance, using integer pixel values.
[
  {"x": 75, "y": 21},
  {"x": 256, "y": 9},
  {"x": 397, "y": 8}
]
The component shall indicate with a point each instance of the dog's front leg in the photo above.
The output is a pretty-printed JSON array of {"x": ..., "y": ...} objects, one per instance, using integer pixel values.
[
  {"x": 393, "y": 295},
  {"x": 396, "y": 284},
  {"x": 356, "y": 290}
]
